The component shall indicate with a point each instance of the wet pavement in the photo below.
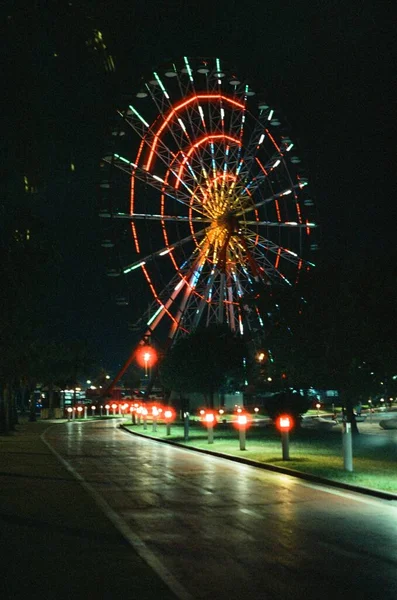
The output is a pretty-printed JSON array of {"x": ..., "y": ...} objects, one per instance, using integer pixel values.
[
  {"x": 210, "y": 528},
  {"x": 55, "y": 542}
]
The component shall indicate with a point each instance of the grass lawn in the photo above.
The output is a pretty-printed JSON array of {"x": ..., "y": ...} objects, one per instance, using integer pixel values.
[{"x": 315, "y": 452}]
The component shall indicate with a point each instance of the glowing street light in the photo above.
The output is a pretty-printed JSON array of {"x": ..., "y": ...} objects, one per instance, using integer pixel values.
[
  {"x": 209, "y": 420},
  {"x": 169, "y": 416},
  {"x": 107, "y": 407},
  {"x": 144, "y": 412},
  {"x": 284, "y": 424},
  {"x": 146, "y": 358},
  {"x": 242, "y": 422},
  {"x": 114, "y": 406},
  {"x": 69, "y": 411}
]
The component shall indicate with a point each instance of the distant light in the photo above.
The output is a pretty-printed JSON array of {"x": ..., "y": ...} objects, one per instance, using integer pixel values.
[{"x": 270, "y": 115}]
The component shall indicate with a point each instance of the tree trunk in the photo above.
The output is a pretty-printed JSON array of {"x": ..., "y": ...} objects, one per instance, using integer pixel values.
[
  {"x": 32, "y": 408},
  {"x": 6, "y": 408},
  {"x": 51, "y": 401}
]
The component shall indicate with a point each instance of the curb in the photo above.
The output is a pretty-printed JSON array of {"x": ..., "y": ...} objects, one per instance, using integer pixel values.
[{"x": 284, "y": 470}]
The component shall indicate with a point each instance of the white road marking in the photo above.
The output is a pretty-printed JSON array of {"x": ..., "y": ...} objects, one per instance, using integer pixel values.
[{"x": 132, "y": 538}]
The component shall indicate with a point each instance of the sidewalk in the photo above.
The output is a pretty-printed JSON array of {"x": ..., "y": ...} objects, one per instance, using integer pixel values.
[{"x": 55, "y": 542}]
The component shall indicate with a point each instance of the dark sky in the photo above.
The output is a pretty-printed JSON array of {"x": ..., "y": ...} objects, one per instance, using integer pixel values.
[{"x": 327, "y": 64}]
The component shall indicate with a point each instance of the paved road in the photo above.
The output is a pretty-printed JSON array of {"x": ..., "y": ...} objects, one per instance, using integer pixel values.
[{"x": 215, "y": 529}]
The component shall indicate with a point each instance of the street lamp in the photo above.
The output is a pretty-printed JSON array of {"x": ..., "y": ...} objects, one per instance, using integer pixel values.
[{"x": 146, "y": 358}]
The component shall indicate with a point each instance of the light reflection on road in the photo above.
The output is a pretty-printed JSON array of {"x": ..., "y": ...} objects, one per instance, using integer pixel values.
[{"x": 227, "y": 530}]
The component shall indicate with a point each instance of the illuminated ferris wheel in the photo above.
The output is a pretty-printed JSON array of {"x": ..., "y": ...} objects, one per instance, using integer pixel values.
[{"x": 211, "y": 190}]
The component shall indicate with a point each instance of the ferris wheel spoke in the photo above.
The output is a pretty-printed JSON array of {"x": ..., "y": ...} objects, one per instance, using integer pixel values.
[
  {"x": 162, "y": 251},
  {"x": 263, "y": 201},
  {"x": 259, "y": 245},
  {"x": 219, "y": 188},
  {"x": 287, "y": 224},
  {"x": 148, "y": 217},
  {"x": 155, "y": 182}
]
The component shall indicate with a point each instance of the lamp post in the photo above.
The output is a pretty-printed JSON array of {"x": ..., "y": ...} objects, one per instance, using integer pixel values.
[
  {"x": 242, "y": 424},
  {"x": 209, "y": 421},
  {"x": 284, "y": 424},
  {"x": 146, "y": 358},
  {"x": 144, "y": 412},
  {"x": 155, "y": 414},
  {"x": 169, "y": 416}
]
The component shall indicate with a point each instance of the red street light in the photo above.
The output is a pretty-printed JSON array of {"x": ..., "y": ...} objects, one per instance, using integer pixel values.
[
  {"x": 284, "y": 423},
  {"x": 146, "y": 356},
  {"x": 242, "y": 422},
  {"x": 209, "y": 420},
  {"x": 169, "y": 414}
]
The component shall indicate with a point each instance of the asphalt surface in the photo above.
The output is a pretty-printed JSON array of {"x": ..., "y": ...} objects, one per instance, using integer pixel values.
[
  {"x": 88, "y": 511},
  {"x": 55, "y": 542}
]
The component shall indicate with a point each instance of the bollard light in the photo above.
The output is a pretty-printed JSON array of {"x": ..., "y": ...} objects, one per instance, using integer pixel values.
[
  {"x": 242, "y": 422},
  {"x": 114, "y": 407},
  {"x": 80, "y": 410},
  {"x": 209, "y": 420},
  {"x": 107, "y": 408},
  {"x": 169, "y": 416},
  {"x": 144, "y": 412},
  {"x": 284, "y": 424},
  {"x": 69, "y": 411}
]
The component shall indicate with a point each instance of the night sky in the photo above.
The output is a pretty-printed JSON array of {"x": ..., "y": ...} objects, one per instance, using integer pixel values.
[{"x": 326, "y": 64}]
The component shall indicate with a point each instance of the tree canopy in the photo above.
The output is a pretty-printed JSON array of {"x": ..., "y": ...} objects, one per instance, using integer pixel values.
[{"x": 207, "y": 361}]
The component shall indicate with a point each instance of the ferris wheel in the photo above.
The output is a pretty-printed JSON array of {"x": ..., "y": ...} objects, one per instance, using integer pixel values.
[{"x": 206, "y": 182}]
